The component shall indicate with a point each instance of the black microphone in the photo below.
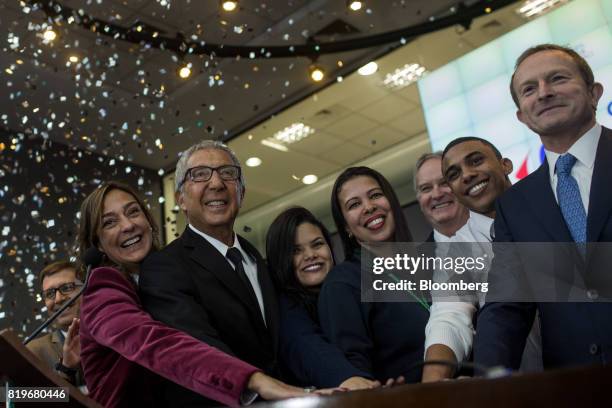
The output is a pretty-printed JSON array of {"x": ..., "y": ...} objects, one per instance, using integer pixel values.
[{"x": 91, "y": 258}]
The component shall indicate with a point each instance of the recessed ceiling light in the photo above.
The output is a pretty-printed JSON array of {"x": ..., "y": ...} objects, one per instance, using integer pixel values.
[
  {"x": 309, "y": 179},
  {"x": 354, "y": 5},
  {"x": 532, "y": 8},
  {"x": 253, "y": 161},
  {"x": 368, "y": 69},
  {"x": 229, "y": 5},
  {"x": 293, "y": 133},
  {"x": 316, "y": 73},
  {"x": 404, "y": 76},
  {"x": 274, "y": 145},
  {"x": 185, "y": 71}
]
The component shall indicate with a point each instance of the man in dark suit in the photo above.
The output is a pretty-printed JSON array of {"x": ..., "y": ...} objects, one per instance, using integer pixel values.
[
  {"x": 211, "y": 283},
  {"x": 566, "y": 200}
]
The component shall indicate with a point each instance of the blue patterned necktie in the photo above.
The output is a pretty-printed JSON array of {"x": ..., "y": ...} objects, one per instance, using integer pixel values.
[{"x": 568, "y": 195}]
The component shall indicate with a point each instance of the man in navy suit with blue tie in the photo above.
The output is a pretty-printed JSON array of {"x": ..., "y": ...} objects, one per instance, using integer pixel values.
[{"x": 567, "y": 199}]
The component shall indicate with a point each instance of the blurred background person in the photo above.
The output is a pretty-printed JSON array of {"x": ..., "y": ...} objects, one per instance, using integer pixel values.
[
  {"x": 123, "y": 348},
  {"x": 299, "y": 256},
  {"x": 60, "y": 349},
  {"x": 384, "y": 339}
]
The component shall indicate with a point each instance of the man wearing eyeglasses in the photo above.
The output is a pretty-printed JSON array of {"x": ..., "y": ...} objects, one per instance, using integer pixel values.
[
  {"x": 210, "y": 282},
  {"x": 60, "y": 348}
]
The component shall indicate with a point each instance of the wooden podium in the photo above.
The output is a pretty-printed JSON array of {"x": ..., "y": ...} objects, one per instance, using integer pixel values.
[
  {"x": 24, "y": 369},
  {"x": 578, "y": 387}
]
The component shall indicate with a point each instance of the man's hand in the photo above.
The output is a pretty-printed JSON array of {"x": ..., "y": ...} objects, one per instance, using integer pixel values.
[
  {"x": 71, "y": 352},
  {"x": 359, "y": 383},
  {"x": 438, "y": 372},
  {"x": 272, "y": 389}
]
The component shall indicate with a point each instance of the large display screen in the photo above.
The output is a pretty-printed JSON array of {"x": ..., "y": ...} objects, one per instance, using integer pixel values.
[{"x": 470, "y": 96}]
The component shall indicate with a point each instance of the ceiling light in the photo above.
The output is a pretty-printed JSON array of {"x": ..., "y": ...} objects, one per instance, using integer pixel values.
[
  {"x": 293, "y": 133},
  {"x": 354, "y": 5},
  {"x": 404, "y": 76},
  {"x": 316, "y": 73},
  {"x": 185, "y": 71},
  {"x": 309, "y": 179},
  {"x": 274, "y": 145},
  {"x": 253, "y": 161},
  {"x": 49, "y": 35},
  {"x": 368, "y": 69},
  {"x": 532, "y": 8},
  {"x": 73, "y": 58},
  {"x": 229, "y": 5}
]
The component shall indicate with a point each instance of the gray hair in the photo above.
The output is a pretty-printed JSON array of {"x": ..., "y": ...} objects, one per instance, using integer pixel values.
[
  {"x": 420, "y": 162},
  {"x": 181, "y": 166}
]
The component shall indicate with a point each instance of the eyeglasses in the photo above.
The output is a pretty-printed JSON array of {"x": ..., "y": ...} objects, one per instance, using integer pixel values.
[
  {"x": 204, "y": 173},
  {"x": 65, "y": 289}
]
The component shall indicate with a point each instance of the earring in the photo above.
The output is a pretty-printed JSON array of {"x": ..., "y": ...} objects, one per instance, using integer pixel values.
[{"x": 350, "y": 235}]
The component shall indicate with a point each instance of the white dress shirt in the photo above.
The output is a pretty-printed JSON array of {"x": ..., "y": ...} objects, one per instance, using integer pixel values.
[
  {"x": 450, "y": 323},
  {"x": 248, "y": 263},
  {"x": 584, "y": 150}
]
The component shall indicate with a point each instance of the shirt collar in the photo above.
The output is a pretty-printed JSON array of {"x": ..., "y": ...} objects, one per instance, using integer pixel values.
[
  {"x": 220, "y": 246},
  {"x": 584, "y": 150},
  {"x": 440, "y": 237}
]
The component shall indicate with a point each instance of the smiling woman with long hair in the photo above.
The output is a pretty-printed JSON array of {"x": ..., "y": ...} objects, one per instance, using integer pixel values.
[
  {"x": 123, "y": 350},
  {"x": 383, "y": 339},
  {"x": 299, "y": 256}
]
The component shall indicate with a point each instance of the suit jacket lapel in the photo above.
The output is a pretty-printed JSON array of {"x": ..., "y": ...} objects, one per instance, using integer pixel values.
[
  {"x": 210, "y": 259},
  {"x": 600, "y": 199},
  {"x": 541, "y": 201}
]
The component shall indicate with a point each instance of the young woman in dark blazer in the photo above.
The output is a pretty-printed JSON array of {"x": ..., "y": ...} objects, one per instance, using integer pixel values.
[
  {"x": 384, "y": 339},
  {"x": 299, "y": 257}
]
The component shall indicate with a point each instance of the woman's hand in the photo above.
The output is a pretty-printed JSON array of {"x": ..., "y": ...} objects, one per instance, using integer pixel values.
[
  {"x": 359, "y": 383},
  {"x": 394, "y": 381},
  {"x": 272, "y": 389}
]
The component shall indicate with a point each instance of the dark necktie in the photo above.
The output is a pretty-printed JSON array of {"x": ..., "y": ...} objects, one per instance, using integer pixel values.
[{"x": 235, "y": 256}]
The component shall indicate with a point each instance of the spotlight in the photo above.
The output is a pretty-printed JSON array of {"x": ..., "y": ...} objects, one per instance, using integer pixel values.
[
  {"x": 229, "y": 5},
  {"x": 49, "y": 35},
  {"x": 185, "y": 71},
  {"x": 354, "y": 5},
  {"x": 316, "y": 73}
]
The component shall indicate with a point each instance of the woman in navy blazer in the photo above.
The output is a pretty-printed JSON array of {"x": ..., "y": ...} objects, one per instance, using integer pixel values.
[
  {"x": 123, "y": 350},
  {"x": 299, "y": 257},
  {"x": 386, "y": 340}
]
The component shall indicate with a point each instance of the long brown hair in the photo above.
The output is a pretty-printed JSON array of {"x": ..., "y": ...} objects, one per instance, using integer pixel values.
[{"x": 92, "y": 209}]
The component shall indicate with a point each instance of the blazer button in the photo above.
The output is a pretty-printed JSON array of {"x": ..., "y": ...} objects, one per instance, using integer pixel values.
[
  {"x": 592, "y": 294},
  {"x": 594, "y": 349}
]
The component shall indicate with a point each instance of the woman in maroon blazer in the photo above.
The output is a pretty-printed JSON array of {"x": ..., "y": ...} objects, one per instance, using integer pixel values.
[{"x": 123, "y": 350}]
